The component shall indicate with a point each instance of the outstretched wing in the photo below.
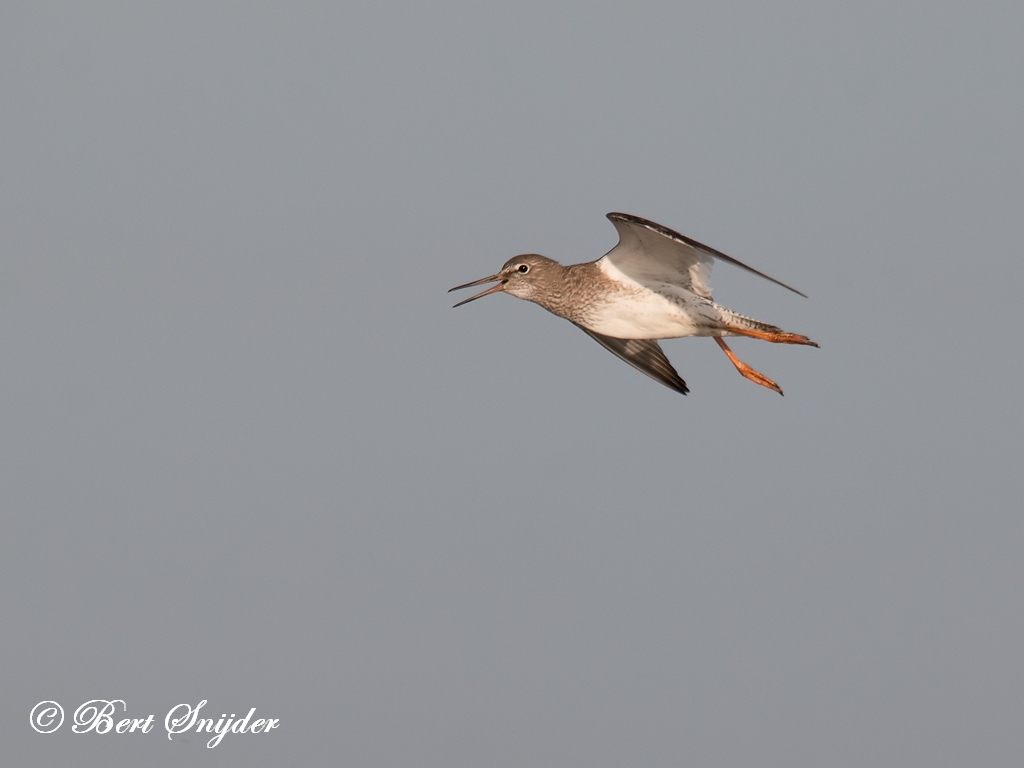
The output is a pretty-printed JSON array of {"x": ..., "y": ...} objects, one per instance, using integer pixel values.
[
  {"x": 651, "y": 254},
  {"x": 643, "y": 354}
]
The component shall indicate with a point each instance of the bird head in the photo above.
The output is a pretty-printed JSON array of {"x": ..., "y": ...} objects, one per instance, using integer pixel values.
[{"x": 520, "y": 276}]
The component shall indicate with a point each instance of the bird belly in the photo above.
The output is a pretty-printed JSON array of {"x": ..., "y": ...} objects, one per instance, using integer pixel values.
[{"x": 647, "y": 314}]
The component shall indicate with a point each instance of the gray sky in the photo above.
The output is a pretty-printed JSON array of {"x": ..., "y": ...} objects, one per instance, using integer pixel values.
[{"x": 250, "y": 454}]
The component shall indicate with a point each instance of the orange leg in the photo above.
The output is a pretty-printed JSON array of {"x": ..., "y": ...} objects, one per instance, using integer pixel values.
[
  {"x": 778, "y": 337},
  {"x": 745, "y": 370}
]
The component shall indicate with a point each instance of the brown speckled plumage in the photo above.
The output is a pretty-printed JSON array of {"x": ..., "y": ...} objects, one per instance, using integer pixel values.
[{"x": 654, "y": 284}]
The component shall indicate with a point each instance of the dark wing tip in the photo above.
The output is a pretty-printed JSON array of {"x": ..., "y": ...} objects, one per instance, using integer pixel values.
[{"x": 645, "y": 355}]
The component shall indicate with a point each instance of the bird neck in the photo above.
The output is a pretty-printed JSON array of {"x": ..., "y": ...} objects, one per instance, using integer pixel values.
[{"x": 569, "y": 295}]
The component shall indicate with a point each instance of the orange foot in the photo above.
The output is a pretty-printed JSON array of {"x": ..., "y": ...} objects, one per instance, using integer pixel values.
[{"x": 746, "y": 371}]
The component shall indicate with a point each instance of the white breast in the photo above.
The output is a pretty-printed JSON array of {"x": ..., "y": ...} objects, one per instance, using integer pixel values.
[{"x": 638, "y": 312}]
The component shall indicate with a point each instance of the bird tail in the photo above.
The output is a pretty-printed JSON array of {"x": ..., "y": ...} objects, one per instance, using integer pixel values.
[
  {"x": 737, "y": 323},
  {"x": 740, "y": 325}
]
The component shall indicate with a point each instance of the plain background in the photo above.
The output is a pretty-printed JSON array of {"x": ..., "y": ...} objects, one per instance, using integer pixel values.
[{"x": 250, "y": 454}]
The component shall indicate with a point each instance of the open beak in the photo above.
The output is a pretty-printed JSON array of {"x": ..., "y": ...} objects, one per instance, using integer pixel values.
[{"x": 493, "y": 289}]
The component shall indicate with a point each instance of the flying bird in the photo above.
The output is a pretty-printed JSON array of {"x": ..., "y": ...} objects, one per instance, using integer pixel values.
[{"x": 655, "y": 284}]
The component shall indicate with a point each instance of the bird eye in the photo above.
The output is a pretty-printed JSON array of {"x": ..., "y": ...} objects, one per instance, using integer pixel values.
[{"x": 524, "y": 268}]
